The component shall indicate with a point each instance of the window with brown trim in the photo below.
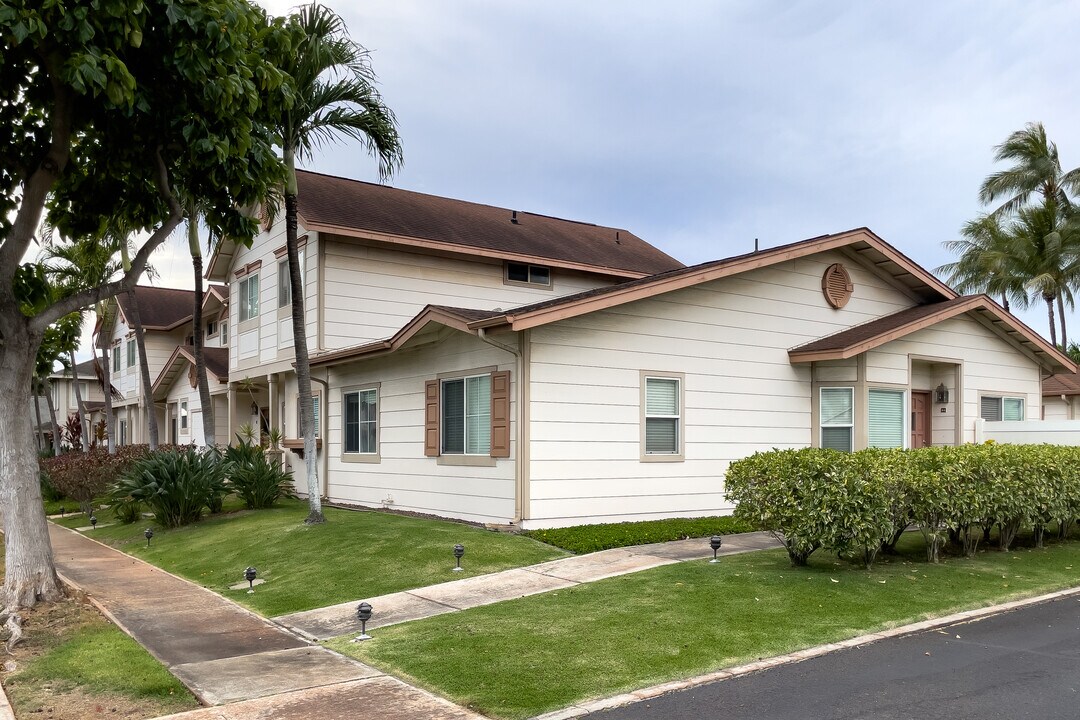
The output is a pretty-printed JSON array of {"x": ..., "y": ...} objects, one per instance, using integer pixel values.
[
  {"x": 526, "y": 274},
  {"x": 468, "y": 415}
]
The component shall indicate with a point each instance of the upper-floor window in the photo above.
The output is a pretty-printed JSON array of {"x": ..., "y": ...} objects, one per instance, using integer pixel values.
[
  {"x": 116, "y": 357},
  {"x": 131, "y": 353},
  {"x": 528, "y": 274},
  {"x": 249, "y": 297},
  {"x": 285, "y": 281},
  {"x": 211, "y": 328},
  {"x": 994, "y": 408},
  {"x": 224, "y": 333}
]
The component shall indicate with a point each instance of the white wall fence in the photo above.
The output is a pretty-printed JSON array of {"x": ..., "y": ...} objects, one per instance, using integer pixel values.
[{"x": 1029, "y": 432}]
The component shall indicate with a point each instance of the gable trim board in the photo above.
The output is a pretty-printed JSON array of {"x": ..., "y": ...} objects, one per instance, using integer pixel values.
[{"x": 185, "y": 355}]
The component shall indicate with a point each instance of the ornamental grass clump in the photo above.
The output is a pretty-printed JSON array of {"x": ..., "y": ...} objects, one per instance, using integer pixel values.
[
  {"x": 249, "y": 473},
  {"x": 176, "y": 485}
]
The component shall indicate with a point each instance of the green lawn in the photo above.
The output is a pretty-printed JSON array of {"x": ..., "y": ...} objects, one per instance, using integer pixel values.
[
  {"x": 520, "y": 658},
  {"x": 354, "y": 555}
]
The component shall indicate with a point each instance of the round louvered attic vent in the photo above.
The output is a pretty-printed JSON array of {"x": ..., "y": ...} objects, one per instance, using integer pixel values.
[{"x": 836, "y": 286}]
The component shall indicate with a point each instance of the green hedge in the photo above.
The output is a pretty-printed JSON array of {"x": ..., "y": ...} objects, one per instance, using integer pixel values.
[
  {"x": 590, "y": 538},
  {"x": 857, "y": 503}
]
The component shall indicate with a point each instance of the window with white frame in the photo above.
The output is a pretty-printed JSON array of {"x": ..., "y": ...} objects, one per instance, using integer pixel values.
[
  {"x": 285, "y": 280},
  {"x": 211, "y": 328},
  {"x": 183, "y": 415},
  {"x": 886, "y": 418},
  {"x": 360, "y": 419},
  {"x": 466, "y": 415},
  {"x": 836, "y": 413},
  {"x": 131, "y": 352},
  {"x": 116, "y": 357},
  {"x": 224, "y": 333},
  {"x": 994, "y": 408},
  {"x": 248, "y": 297},
  {"x": 663, "y": 416},
  {"x": 123, "y": 435}
]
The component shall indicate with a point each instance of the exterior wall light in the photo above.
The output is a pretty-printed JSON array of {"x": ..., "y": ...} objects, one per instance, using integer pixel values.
[
  {"x": 148, "y": 533},
  {"x": 459, "y": 550},
  {"x": 363, "y": 614},
  {"x": 715, "y": 542},
  {"x": 942, "y": 394},
  {"x": 250, "y": 574}
]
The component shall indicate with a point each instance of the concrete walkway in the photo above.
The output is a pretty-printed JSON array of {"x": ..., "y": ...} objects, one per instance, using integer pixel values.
[
  {"x": 225, "y": 653},
  {"x": 455, "y": 595}
]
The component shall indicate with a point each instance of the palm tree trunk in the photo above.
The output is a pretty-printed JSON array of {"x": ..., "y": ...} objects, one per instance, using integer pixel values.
[
  {"x": 37, "y": 412},
  {"x": 303, "y": 369},
  {"x": 79, "y": 407},
  {"x": 1050, "y": 313},
  {"x": 1061, "y": 319},
  {"x": 52, "y": 417},
  {"x": 110, "y": 435},
  {"x": 1005, "y": 302},
  {"x": 209, "y": 435}
]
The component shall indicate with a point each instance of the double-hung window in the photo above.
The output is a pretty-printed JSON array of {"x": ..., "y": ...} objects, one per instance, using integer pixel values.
[
  {"x": 836, "y": 413},
  {"x": 183, "y": 416},
  {"x": 285, "y": 280},
  {"x": 360, "y": 419},
  {"x": 994, "y": 408},
  {"x": 466, "y": 415},
  {"x": 131, "y": 353},
  {"x": 663, "y": 416},
  {"x": 249, "y": 297},
  {"x": 116, "y": 357},
  {"x": 886, "y": 418}
]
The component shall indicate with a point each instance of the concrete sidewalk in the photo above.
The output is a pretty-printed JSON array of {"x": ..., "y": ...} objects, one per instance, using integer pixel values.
[
  {"x": 455, "y": 595},
  {"x": 223, "y": 652}
]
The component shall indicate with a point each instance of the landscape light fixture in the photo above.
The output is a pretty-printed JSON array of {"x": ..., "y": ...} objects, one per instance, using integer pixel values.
[
  {"x": 61, "y": 511},
  {"x": 363, "y": 614},
  {"x": 148, "y": 533},
  {"x": 459, "y": 550},
  {"x": 250, "y": 574},
  {"x": 93, "y": 521},
  {"x": 715, "y": 542},
  {"x": 942, "y": 393}
]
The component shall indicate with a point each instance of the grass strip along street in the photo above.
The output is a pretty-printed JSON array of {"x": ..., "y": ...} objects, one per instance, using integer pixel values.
[
  {"x": 521, "y": 658},
  {"x": 354, "y": 554}
]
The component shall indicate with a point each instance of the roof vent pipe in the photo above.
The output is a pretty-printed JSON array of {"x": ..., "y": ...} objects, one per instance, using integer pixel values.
[
  {"x": 513, "y": 217},
  {"x": 755, "y": 244},
  {"x": 617, "y": 241}
]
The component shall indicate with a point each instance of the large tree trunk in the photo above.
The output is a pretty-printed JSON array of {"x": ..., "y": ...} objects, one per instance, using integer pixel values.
[
  {"x": 303, "y": 369},
  {"x": 209, "y": 435},
  {"x": 1050, "y": 313},
  {"x": 52, "y": 417},
  {"x": 110, "y": 431},
  {"x": 1061, "y": 319},
  {"x": 30, "y": 574},
  {"x": 144, "y": 370},
  {"x": 79, "y": 407}
]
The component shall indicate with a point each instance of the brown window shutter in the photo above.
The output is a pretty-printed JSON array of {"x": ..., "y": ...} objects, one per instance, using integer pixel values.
[
  {"x": 500, "y": 414},
  {"x": 431, "y": 418}
]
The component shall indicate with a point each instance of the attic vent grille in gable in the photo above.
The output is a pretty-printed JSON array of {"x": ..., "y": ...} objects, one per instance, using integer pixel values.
[{"x": 836, "y": 285}]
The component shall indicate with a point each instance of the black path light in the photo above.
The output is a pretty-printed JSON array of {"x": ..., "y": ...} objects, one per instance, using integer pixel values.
[
  {"x": 363, "y": 614},
  {"x": 250, "y": 574},
  {"x": 93, "y": 521},
  {"x": 148, "y": 533},
  {"x": 715, "y": 542},
  {"x": 62, "y": 510},
  {"x": 459, "y": 550}
]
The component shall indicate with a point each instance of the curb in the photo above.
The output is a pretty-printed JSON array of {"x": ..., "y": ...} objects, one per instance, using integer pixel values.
[
  {"x": 6, "y": 713},
  {"x": 587, "y": 708}
]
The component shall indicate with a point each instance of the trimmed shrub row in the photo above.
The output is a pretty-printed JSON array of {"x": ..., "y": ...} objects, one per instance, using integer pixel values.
[
  {"x": 857, "y": 504},
  {"x": 590, "y": 538}
]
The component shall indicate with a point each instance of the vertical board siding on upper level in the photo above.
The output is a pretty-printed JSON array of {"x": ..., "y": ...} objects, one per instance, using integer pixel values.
[
  {"x": 415, "y": 482},
  {"x": 372, "y": 291},
  {"x": 742, "y": 394}
]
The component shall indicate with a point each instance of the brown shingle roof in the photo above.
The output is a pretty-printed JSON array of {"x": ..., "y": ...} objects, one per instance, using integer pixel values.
[
  {"x": 216, "y": 360},
  {"x": 160, "y": 308},
  {"x": 325, "y": 200},
  {"x": 1061, "y": 384}
]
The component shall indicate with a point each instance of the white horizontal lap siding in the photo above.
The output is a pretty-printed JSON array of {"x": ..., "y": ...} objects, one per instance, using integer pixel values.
[
  {"x": 1056, "y": 408},
  {"x": 371, "y": 292},
  {"x": 415, "y": 482},
  {"x": 992, "y": 365},
  {"x": 742, "y": 395}
]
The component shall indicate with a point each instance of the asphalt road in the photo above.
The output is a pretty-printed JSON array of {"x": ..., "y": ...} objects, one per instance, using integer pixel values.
[{"x": 1021, "y": 664}]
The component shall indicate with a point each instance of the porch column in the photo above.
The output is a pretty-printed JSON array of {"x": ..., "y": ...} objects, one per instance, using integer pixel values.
[{"x": 231, "y": 394}]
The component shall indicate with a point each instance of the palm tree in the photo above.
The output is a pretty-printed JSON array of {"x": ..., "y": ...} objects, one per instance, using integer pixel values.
[
  {"x": 1036, "y": 168},
  {"x": 985, "y": 262},
  {"x": 209, "y": 429},
  {"x": 335, "y": 96}
]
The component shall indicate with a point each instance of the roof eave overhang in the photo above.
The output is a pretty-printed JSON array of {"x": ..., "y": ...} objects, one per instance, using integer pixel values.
[{"x": 456, "y": 249}]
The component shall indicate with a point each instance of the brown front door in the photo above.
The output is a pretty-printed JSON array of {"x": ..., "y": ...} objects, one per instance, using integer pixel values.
[{"x": 920, "y": 419}]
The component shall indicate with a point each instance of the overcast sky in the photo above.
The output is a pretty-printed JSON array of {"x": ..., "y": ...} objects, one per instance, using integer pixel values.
[{"x": 701, "y": 126}]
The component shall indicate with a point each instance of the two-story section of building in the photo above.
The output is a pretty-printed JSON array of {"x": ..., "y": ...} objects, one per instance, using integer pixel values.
[
  {"x": 165, "y": 315},
  {"x": 373, "y": 257}
]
